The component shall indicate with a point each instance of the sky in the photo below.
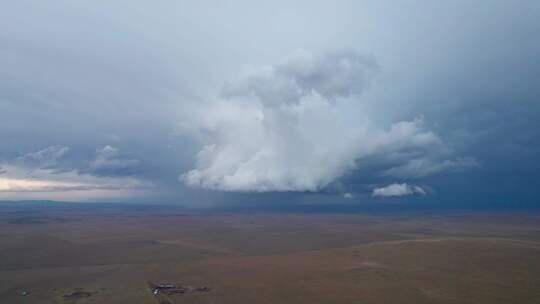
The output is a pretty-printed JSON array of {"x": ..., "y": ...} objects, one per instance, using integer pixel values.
[{"x": 203, "y": 103}]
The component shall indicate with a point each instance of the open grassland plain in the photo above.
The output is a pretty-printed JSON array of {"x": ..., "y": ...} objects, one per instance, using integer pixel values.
[{"x": 74, "y": 254}]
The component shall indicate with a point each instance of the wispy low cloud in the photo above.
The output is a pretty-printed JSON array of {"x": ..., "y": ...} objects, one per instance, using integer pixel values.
[
  {"x": 46, "y": 158},
  {"x": 108, "y": 162},
  {"x": 396, "y": 190},
  {"x": 348, "y": 195},
  {"x": 419, "y": 168},
  {"x": 51, "y": 173},
  {"x": 287, "y": 127}
]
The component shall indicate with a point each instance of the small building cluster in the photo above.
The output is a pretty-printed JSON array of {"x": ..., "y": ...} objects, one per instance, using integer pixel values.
[{"x": 170, "y": 289}]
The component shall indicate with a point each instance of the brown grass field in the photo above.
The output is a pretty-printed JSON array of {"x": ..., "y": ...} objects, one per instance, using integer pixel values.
[{"x": 107, "y": 255}]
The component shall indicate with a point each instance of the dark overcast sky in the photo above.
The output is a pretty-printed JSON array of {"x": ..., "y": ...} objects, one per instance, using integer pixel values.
[{"x": 207, "y": 102}]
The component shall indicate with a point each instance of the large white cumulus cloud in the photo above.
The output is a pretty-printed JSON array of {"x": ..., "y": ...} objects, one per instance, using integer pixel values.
[{"x": 286, "y": 128}]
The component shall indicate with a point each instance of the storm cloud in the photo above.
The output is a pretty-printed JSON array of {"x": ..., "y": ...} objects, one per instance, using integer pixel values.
[{"x": 283, "y": 128}]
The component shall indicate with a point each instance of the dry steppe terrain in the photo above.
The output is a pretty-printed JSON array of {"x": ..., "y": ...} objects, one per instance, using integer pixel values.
[{"x": 81, "y": 255}]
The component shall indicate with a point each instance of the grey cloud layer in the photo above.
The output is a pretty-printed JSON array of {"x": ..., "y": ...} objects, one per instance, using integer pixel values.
[{"x": 126, "y": 93}]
